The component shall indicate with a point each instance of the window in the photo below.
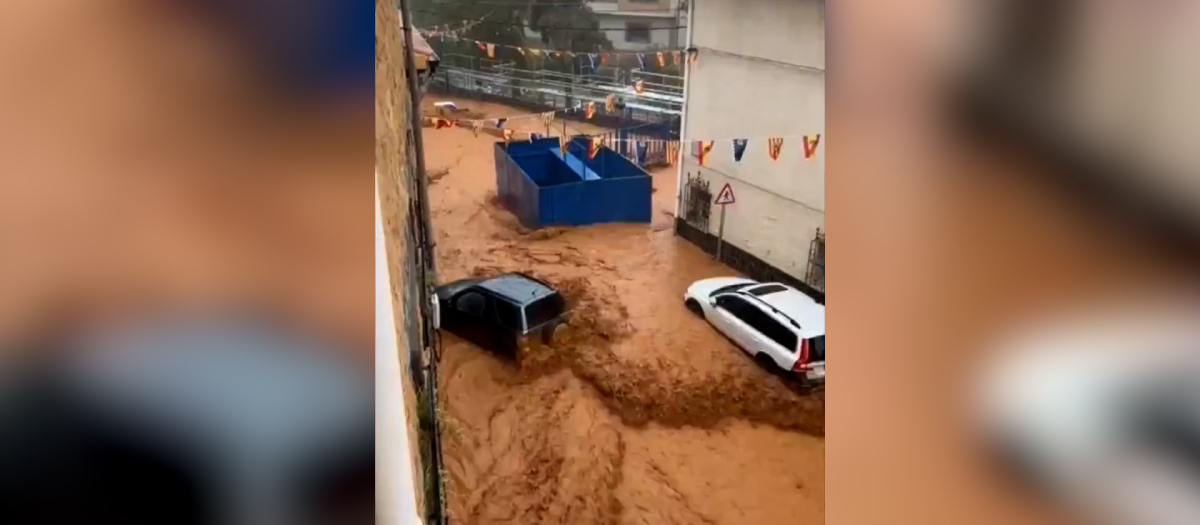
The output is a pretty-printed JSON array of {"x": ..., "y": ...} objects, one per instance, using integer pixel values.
[
  {"x": 471, "y": 302},
  {"x": 544, "y": 310},
  {"x": 508, "y": 315},
  {"x": 637, "y": 32},
  {"x": 734, "y": 305},
  {"x": 759, "y": 320},
  {"x": 816, "y": 349},
  {"x": 766, "y": 289}
]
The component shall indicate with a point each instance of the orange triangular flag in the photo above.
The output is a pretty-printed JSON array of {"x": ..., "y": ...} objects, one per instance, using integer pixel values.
[
  {"x": 662, "y": 61},
  {"x": 491, "y": 49},
  {"x": 594, "y": 146},
  {"x": 774, "y": 147},
  {"x": 672, "y": 152},
  {"x": 705, "y": 147},
  {"x": 508, "y": 134},
  {"x": 639, "y": 86},
  {"x": 589, "y": 110},
  {"x": 675, "y": 59},
  {"x": 476, "y": 126},
  {"x": 810, "y": 148},
  {"x": 693, "y": 56},
  {"x": 610, "y": 103},
  {"x": 562, "y": 145}
]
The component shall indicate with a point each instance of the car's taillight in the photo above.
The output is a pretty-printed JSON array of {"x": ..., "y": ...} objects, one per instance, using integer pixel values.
[{"x": 802, "y": 364}]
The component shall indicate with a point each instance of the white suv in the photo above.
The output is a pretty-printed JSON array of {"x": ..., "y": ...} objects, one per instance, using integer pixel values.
[{"x": 773, "y": 322}]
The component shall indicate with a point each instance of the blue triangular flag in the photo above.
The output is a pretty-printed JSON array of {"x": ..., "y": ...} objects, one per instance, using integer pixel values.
[
  {"x": 739, "y": 147},
  {"x": 534, "y": 136},
  {"x": 640, "y": 151},
  {"x": 641, "y": 60},
  {"x": 500, "y": 122},
  {"x": 592, "y": 59}
]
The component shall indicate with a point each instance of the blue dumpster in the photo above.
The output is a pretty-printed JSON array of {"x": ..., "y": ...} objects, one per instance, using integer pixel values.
[{"x": 544, "y": 187}]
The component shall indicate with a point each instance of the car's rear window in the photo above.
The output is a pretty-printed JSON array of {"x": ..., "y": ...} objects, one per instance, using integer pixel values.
[
  {"x": 508, "y": 315},
  {"x": 543, "y": 310},
  {"x": 766, "y": 289},
  {"x": 816, "y": 349}
]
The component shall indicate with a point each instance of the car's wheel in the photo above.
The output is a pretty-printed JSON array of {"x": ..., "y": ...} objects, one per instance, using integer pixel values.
[
  {"x": 694, "y": 306},
  {"x": 555, "y": 334},
  {"x": 765, "y": 361}
]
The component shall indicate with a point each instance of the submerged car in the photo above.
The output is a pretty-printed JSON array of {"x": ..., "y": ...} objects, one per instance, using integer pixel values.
[
  {"x": 779, "y": 326},
  {"x": 500, "y": 312}
]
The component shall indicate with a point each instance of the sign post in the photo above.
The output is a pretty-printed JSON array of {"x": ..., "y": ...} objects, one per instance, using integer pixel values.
[{"x": 724, "y": 197}]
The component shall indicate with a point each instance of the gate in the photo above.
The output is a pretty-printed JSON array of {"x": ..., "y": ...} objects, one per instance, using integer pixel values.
[
  {"x": 816, "y": 262},
  {"x": 697, "y": 202}
]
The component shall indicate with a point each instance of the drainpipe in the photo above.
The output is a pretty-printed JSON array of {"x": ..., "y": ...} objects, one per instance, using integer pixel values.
[
  {"x": 687, "y": 74},
  {"x": 414, "y": 95}
]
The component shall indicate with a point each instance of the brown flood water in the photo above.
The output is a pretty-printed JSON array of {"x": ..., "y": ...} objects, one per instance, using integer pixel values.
[{"x": 645, "y": 414}]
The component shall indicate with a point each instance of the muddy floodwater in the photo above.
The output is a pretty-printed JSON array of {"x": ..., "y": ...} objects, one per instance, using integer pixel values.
[{"x": 644, "y": 414}]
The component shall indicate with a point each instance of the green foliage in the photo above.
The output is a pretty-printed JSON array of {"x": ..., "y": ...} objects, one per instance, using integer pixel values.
[{"x": 505, "y": 24}]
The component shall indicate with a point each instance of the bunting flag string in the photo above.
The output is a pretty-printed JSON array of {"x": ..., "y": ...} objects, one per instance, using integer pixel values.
[
  {"x": 811, "y": 144},
  {"x": 774, "y": 147},
  {"x": 661, "y": 57}
]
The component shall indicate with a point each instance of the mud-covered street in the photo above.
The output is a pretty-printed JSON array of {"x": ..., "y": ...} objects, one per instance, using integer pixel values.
[{"x": 645, "y": 414}]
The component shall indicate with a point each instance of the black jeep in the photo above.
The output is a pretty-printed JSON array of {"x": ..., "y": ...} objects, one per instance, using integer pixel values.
[{"x": 500, "y": 312}]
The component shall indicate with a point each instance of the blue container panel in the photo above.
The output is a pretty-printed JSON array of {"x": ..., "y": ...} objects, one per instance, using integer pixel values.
[
  {"x": 516, "y": 190},
  {"x": 598, "y": 202},
  {"x": 535, "y": 146},
  {"x": 607, "y": 163},
  {"x": 546, "y": 169}
]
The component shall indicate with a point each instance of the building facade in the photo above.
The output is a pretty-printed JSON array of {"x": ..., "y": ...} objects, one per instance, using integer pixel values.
[
  {"x": 759, "y": 73},
  {"x": 637, "y": 25}
]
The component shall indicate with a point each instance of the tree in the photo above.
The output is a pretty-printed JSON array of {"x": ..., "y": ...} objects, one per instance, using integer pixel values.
[
  {"x": 560, "y": 26},
  {"x": 583, "y": 34}
]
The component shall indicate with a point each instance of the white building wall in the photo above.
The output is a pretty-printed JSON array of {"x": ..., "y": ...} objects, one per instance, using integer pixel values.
[{"x": 760, "y": 73}]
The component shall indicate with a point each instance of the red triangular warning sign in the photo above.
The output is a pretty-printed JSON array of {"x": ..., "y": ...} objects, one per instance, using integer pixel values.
[{"x": 725, "y": 196}]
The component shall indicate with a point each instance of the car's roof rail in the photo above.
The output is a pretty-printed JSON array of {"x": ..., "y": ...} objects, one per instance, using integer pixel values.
[{"x": 768, "y": 305}]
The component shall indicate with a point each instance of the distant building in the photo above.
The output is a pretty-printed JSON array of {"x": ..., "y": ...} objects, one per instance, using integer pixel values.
[
  {"x": 636, "y": 25},
  {"x": 760, "y": 72}
]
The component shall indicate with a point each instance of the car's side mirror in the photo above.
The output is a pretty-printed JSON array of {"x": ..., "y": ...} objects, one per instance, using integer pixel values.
[{"x": 435, "y": 311}]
